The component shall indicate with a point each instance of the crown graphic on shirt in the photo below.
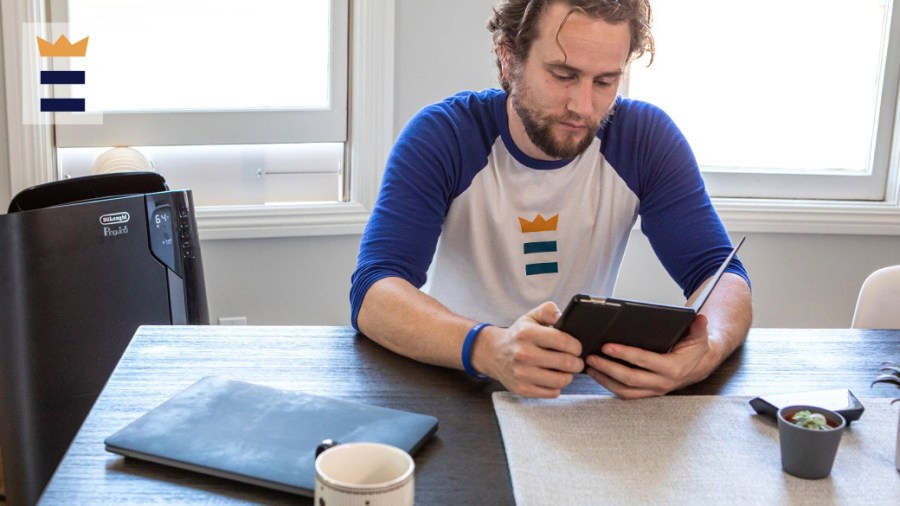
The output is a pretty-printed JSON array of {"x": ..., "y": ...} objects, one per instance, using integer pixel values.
[
  {"x": 539, "y": 224},
  {"x": 62, "y": 47}
]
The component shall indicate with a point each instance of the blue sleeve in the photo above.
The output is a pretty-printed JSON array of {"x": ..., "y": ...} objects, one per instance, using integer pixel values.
[
  {"x": 433, "y": 160},
  {"x": 676, "y": 213}
]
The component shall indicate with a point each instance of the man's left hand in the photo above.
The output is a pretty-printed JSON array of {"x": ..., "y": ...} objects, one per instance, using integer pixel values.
[{"x": 657, "y": 374}]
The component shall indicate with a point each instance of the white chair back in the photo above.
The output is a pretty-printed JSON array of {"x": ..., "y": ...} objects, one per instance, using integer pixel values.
[{"x": 878, "y": 304}]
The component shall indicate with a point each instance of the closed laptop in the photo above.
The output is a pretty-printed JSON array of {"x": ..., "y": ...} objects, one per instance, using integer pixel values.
[{"x": 258, "y": 434}]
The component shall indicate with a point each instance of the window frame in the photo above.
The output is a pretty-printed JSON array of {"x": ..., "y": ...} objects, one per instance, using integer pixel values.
[
  {"x": 369, "y": 130},
  {"x": 877, "y": 215}
]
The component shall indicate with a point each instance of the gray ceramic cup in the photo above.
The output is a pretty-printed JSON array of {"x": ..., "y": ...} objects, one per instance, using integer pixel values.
[{"x": 809, "y": 453}]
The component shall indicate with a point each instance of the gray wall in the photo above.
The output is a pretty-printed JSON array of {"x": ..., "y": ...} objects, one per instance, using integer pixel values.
[
  {"x": 442, "y": 47},
  {"x": 303, "y": 280},
  {"x": 799, "y": 280}
]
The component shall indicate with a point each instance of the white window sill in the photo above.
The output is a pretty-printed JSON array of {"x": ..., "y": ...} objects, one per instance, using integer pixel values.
[
  {"x": 739, "y": 215},
  {"x": 809, "y": 216},
  {"x": 256, "y": 222}
]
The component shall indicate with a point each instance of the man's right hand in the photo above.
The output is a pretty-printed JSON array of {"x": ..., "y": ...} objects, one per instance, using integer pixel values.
[{"x": 530, "y": 358}]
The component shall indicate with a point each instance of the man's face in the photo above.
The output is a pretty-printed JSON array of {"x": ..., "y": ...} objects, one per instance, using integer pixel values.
[{"x": 560, "y": 99}]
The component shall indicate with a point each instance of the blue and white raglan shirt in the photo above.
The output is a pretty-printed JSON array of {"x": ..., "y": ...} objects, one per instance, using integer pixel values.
[{"x": 491, "y": 233}]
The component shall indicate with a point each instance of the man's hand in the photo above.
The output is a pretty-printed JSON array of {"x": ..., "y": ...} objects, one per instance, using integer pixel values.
[
  {"x": 690, "y": 361},
  {"x": 715, "y": 333},
  {"x": 530, "y": 358}
]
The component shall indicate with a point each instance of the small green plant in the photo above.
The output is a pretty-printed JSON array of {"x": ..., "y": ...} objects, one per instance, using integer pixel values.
[
  {"x": 891, "y": 376},
  {"x": 809, "y": 420}
]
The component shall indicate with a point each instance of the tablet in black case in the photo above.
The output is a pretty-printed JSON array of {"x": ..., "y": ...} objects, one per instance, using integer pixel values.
[{"x": 596, "y": 321}]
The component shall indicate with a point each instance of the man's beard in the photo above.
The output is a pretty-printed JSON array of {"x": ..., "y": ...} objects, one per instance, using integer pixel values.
[{"x": 539, "y": 127}]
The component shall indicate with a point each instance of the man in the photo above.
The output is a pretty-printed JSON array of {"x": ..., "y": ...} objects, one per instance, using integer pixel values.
[{"x": 514, "y": 200}]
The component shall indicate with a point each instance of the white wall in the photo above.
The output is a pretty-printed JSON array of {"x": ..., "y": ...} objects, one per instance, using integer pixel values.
[
  {"x": 443, "y": 47},
  {"x": 4, "y": 145}
]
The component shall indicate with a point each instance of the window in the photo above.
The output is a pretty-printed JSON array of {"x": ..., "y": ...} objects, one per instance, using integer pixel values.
[
  {"x": 264, "y": 155},
  {"x": 243, "y": 103},
  {"x": 789, "y": 99}
]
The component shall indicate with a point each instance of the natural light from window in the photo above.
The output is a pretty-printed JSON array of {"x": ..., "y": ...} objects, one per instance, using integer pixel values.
[
  {"x": 177, "y": 55},
  {"x": 784, "y": 86}
]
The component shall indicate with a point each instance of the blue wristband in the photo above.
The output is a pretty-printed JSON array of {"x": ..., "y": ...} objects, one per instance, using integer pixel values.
[{"x": 467, "y": 350}]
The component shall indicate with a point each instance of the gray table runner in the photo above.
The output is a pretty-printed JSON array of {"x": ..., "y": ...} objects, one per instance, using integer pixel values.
[{"x": 585, "y": 449}]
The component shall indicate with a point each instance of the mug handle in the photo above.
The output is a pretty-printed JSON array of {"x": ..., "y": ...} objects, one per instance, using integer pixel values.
[{"x": 324, "y": 445}]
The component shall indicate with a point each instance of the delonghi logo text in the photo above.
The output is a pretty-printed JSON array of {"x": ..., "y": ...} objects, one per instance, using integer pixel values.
[{"x": 115, "y": 218}]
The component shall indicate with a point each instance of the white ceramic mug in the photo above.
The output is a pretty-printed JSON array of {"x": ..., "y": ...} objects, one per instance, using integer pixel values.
[{"x": 364, "y": 474}]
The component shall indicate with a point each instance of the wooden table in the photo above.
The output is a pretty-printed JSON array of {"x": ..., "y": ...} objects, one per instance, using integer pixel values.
[{"x": 464, "y": 464}]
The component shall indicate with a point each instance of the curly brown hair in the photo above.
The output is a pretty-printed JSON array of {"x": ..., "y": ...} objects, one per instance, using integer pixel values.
[{"x": 514, "y": 25}]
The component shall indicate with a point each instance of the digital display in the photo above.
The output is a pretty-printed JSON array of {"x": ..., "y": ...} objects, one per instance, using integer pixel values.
[
  {"x": 162, "y": 235},
  {"x": 169, "y": 232},
  {"x": 163, "y": 216},
  {"x": 162, "y": 223}
]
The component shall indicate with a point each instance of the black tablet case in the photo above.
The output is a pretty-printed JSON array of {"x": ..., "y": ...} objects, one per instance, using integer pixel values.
[
  {"x": 841, "y": 400},
  {"x": 258, "y": 434},
  {"x": 656, "y": 327}
]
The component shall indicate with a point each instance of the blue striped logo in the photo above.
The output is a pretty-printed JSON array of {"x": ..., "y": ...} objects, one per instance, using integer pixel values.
[
  {"x": 530, "y": 248},
  {"x": 540, "y": 247},
  {"x": 541, "y": 268}
]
